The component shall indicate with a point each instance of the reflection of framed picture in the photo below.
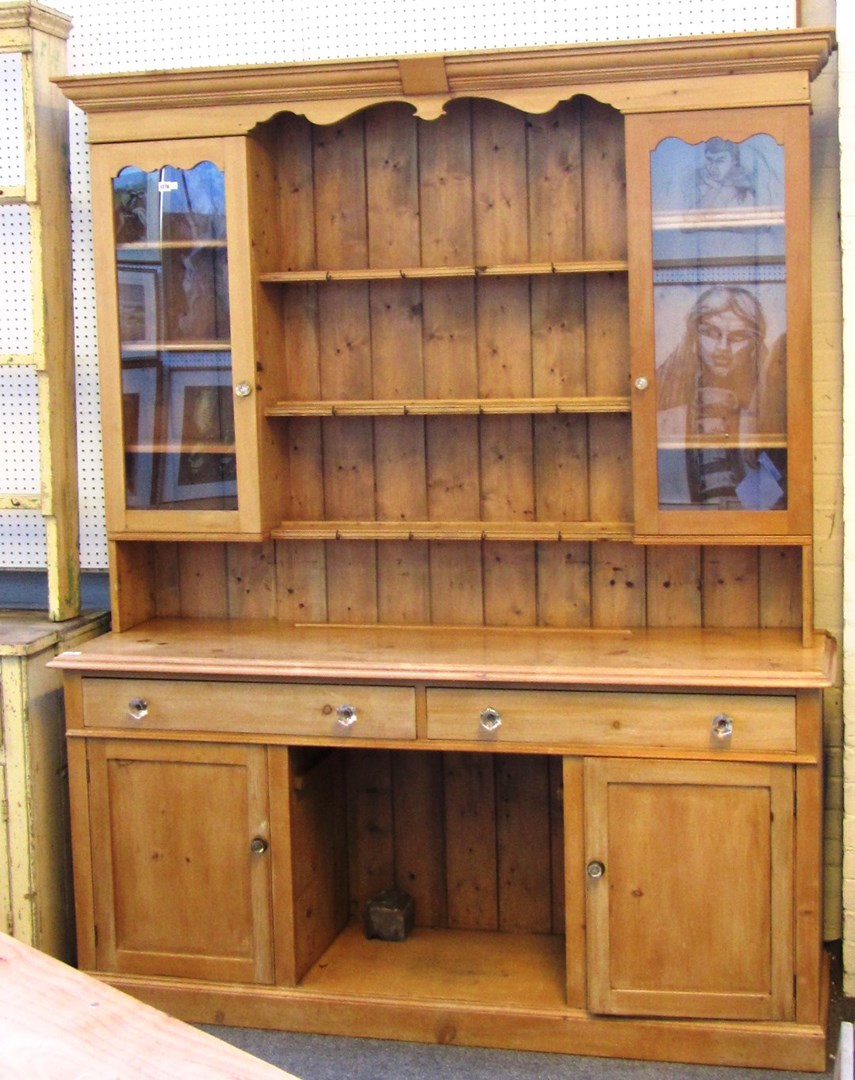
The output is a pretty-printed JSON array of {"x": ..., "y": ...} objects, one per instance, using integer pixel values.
[
  {"x": 138, "y": 315},
  {"x": 200, "y": 434},
  {"x": 136, "y": 210},
  {"x": 139, "y": 401}
]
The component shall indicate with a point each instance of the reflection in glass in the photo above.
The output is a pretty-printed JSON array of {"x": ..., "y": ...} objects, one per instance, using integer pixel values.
[
  {"x": 721, "y": 408},
  {"x": 720, "y": 323},
  {"x": 172, "y": 281},
  {"x": 718, "y": 199}
]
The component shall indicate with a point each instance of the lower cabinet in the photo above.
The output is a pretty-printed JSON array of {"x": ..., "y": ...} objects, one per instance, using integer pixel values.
[
  {"x": 626, "y": 867},
  {"x": 686, "y": 880},
  {"x": 179, "y": 847},
  {"x": 690, "y": 888}
]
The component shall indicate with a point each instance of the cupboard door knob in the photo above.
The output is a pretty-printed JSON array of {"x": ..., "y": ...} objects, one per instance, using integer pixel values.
[
  {"x": 722, "y": 726},
  {"x": 491, "y": 719},
  {"x": 137, "y": 708},
  {"x": 258, "y": 845},
  {"x": 641, "y": 383},
  {"x": 243, "y": 389},
  {"x": 595, "y": 870},
  {"x": 346, "y": 715}
]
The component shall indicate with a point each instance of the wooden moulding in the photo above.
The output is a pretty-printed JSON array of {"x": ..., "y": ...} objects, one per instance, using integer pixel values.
[
  {"x": 755, "y": 1044},
  {"x": 16, "y": 20},
  {"x": 774, "y": 66}
]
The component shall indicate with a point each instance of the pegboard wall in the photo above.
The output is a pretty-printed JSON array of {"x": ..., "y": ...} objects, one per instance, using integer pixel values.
[{"x": 117, "y": 35}]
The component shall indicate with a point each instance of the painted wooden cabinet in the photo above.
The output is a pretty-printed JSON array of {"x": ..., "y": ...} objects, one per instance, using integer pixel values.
[
  {"x": 460, "y": 522},
  {"x": 36, "y": 902}
]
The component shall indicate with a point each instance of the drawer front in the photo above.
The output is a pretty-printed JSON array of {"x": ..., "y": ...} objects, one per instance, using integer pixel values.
[
  {"x": 582, "y": 718},
  {"x": 376, "y": 712}
]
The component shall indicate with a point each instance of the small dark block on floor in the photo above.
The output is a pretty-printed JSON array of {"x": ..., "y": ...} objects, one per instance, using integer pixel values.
[{"x": 389, "y": 915}]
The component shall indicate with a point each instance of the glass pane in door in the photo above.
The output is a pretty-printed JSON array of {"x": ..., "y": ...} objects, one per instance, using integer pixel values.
[
  {"x": 720, "y": 323},
  {"x": 172, "y": 281}
]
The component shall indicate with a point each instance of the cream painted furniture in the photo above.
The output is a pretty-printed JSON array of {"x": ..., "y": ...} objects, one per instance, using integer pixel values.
[
  {"x": 36, "y": 904},
  {"x": 35, "y": 856},
  {"x": 459, "y": 500},
  {"x": 39, "y": 34}
]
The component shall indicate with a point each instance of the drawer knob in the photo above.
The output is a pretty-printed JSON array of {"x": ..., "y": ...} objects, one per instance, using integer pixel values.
[
  {"x": 258, "y": 845},
  {"x": 137, "y": 708},
  {"x": 595, "y": 870},
  {"x": 722, "y": 726},
  {"x": 346, "y": 715},
  {"x": 491, "y": 720}
]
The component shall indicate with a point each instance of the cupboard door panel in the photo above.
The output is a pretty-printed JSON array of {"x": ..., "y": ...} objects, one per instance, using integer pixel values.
[
  {"x": 721, "y": 327},
  {"x": 178, "y": 889},
  {"x": 689, "y": 902},
  {"x": 182, "y": 452}
]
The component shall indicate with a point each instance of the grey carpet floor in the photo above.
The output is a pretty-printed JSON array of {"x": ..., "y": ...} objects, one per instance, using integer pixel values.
[{"x": 322, "y": 1057}]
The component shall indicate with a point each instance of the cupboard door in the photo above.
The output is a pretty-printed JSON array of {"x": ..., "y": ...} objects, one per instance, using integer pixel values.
[
  {"x": 178, "y": 376},
  {"x": 181, "y": 877},
  {"x": 720, "y": 284},
  {"x": 689, "y": 888}
]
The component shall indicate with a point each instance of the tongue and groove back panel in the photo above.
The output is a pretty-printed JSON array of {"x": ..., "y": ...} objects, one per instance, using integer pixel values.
[{"x": 484, "y": 187}]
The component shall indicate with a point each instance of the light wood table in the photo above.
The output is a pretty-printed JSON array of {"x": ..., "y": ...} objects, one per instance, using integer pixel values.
[{"x": 56, "y": 1023}]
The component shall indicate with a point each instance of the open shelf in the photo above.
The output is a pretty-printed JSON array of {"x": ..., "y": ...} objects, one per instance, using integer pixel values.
[
  {"x": 205, "y": 447},
  {"x": 453, "y": 530},
  {"x": 450, "y": 406},
  {"x": 722, "y": 441},
  {"x": 171, "y": 245},
  {"x": 196, "y": 345},
  {"x": 474, "y": 966},
  {"x": 414, "y": 273}
]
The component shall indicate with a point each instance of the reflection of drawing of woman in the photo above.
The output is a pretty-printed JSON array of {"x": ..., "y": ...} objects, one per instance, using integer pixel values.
[{"x": 720, "y": 387}]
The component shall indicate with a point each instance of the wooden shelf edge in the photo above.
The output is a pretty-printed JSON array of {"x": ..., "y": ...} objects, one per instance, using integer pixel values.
[
  {"x": 731, "y": 539},
  {"x": 450, "y": 406},
  {"x": 226, "y": 449},
  {"x": 770, "y": 441},
  {"x": 167, "y": 535},
  {"x": 148, "y": 347},
  {"x": 452, "y": 530},
  {"x": 423, "y": 273},
  {"x": 173, "y": 245}
]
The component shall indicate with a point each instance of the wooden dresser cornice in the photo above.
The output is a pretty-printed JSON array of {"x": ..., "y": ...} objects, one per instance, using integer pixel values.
[{"x": 719, "y": 71}]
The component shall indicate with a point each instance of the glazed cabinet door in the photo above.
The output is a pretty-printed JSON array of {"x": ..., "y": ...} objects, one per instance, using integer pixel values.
[
  {"x": 689, "y": 889},
  {"x": 180, "y": 868},
  {"x": 720, "y": 292},
  {"x": 175, "y": 338}
]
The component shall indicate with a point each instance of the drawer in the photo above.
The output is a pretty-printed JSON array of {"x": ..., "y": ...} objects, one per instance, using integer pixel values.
[
  {"x": 375, "y": 712},
  {"x": 585, "y": 718}
]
